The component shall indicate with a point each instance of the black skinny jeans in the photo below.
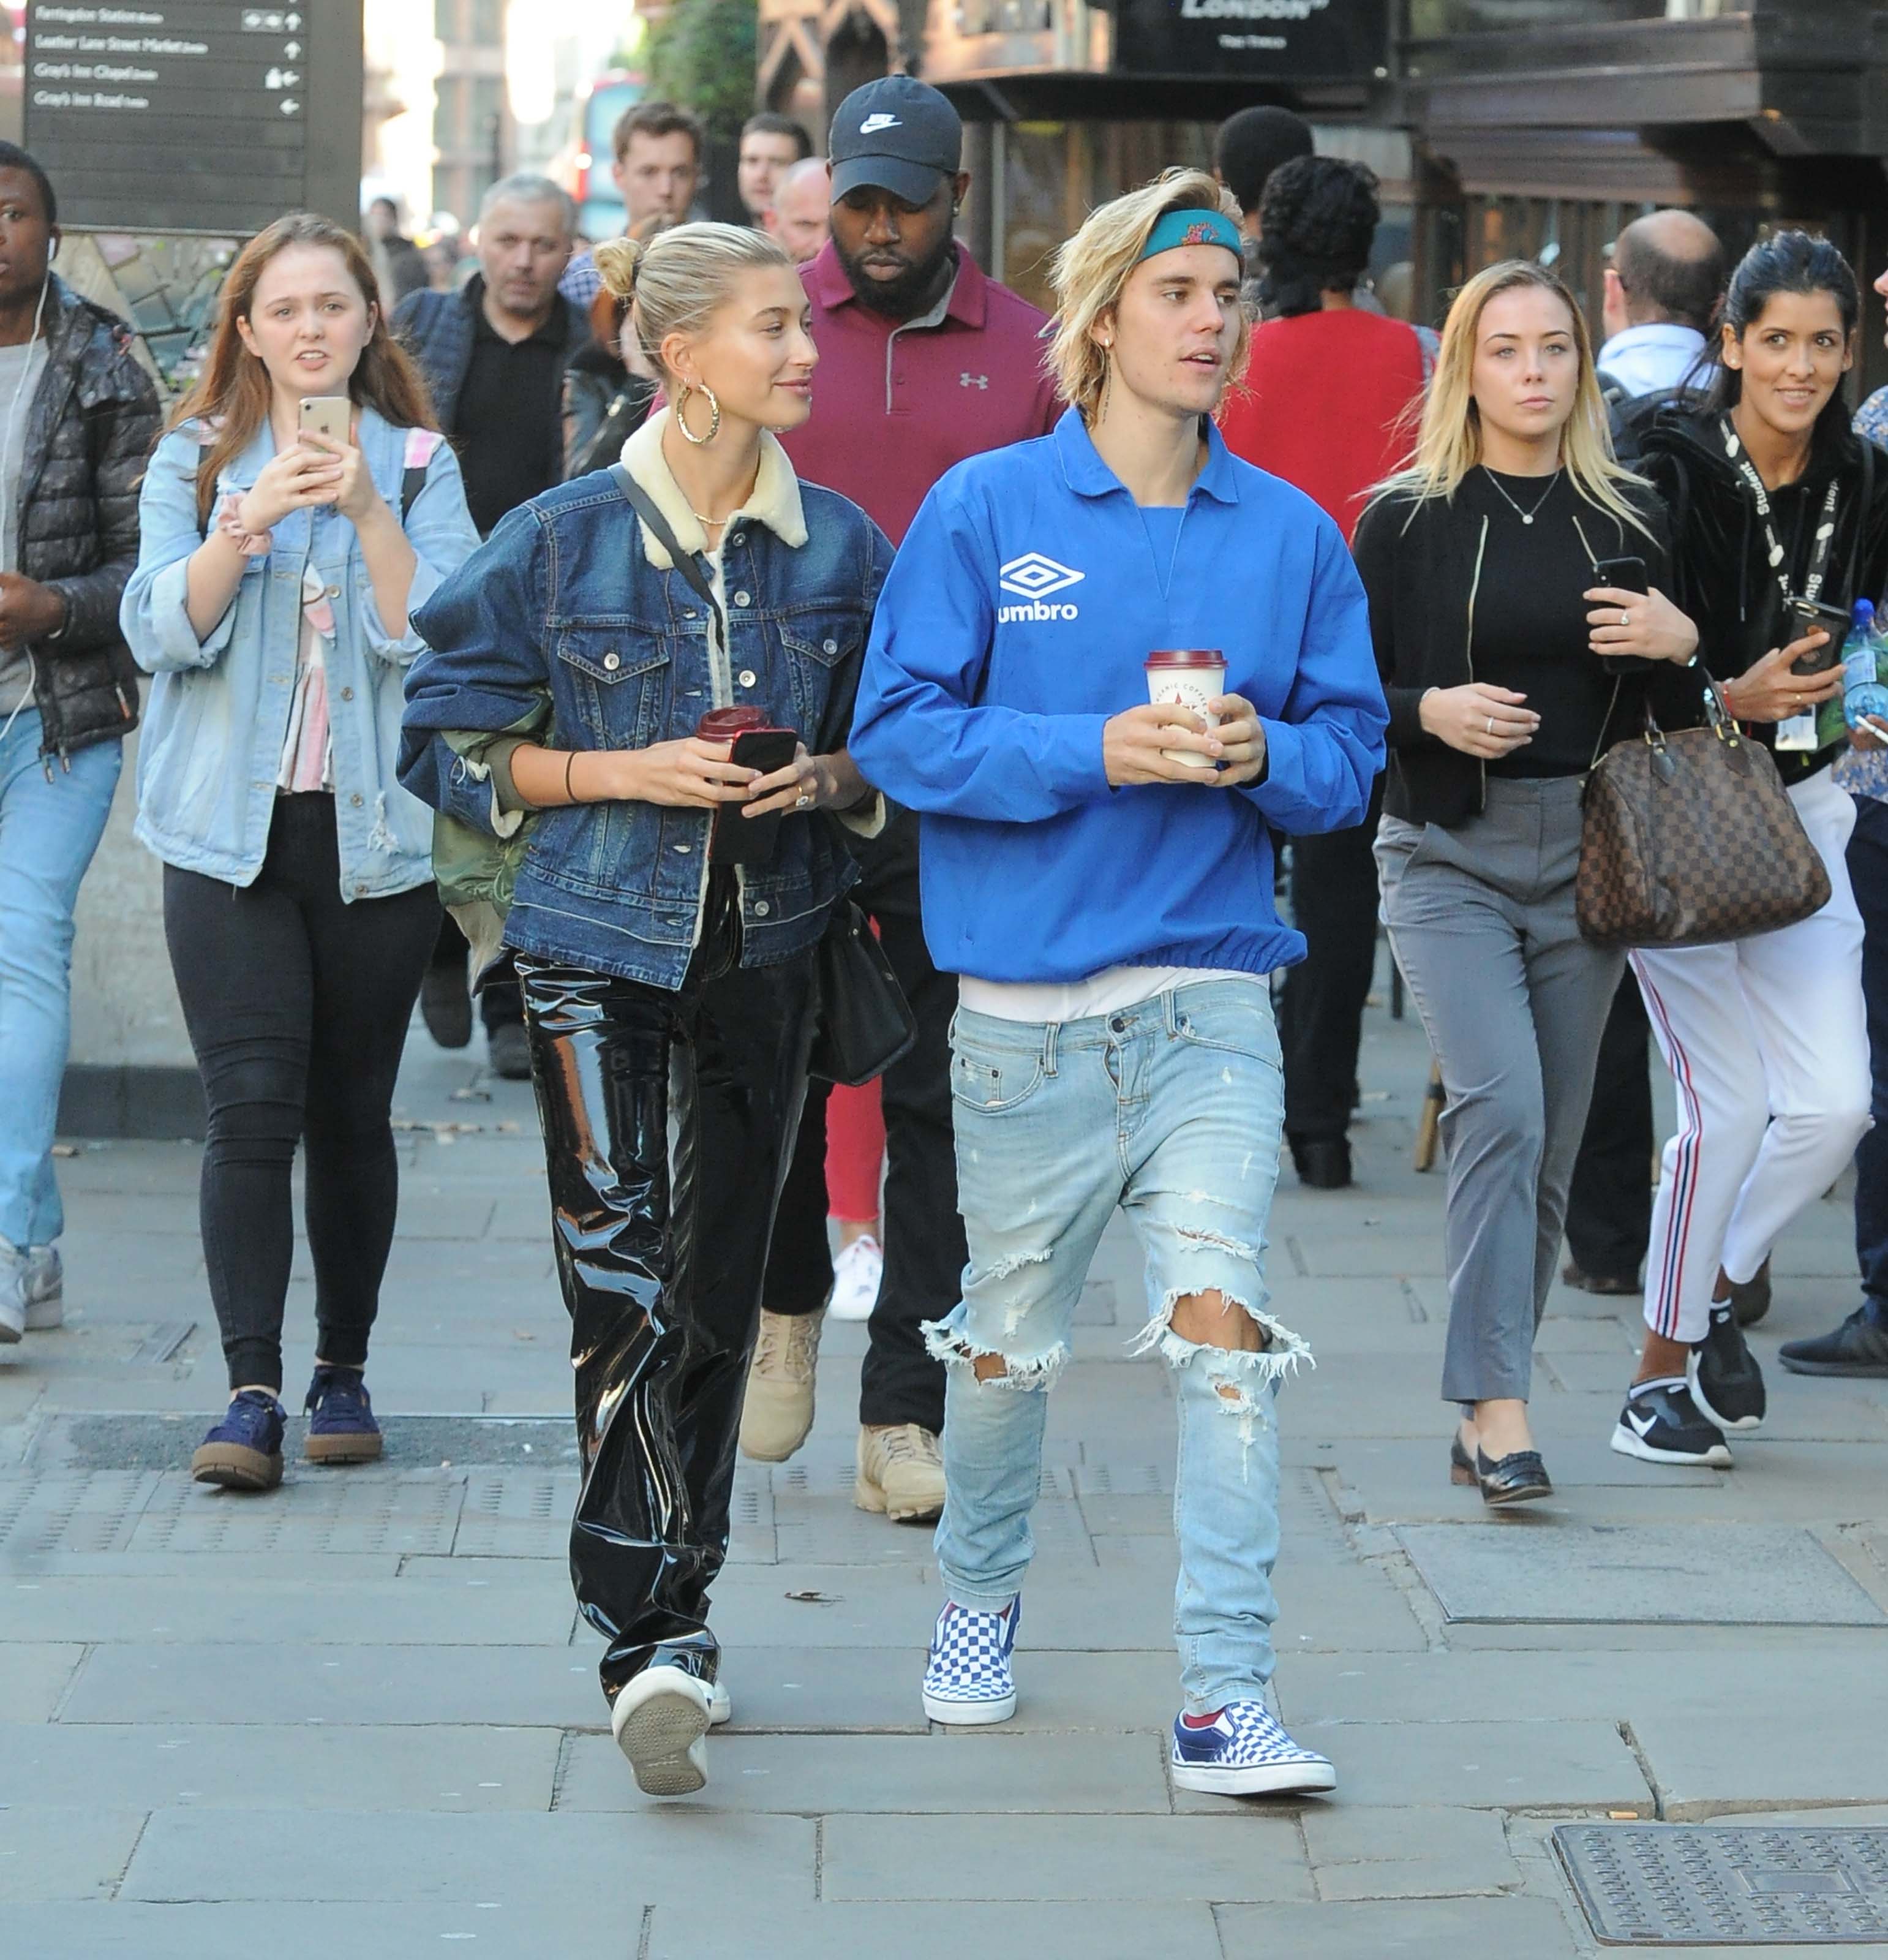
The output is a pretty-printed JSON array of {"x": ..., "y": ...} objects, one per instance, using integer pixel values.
[
  {"x": 660, "y": 1259},
  {"x": 924, "y": 1250},
  {"x": 297, "y": 1004}
]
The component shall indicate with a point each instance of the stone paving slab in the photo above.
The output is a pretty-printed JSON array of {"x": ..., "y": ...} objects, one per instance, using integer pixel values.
[
  {"x": 1180, "y": 1930},
  {"x": 658, "y": 1855},
  {"x": 598, "y": 1923},
  {"x": 1255, "y": 1856},
  {"x": 54, "y": 1851},
  {"x": 148, "y": 1766},
  {"x": 1361, "y": 1853},
  {"x": 282, "y": 1610},
  {"x": 1528, "y": 1928},
  {"x": 1069, "y": 1775},
  {"x": 33, "y": 1678},
  {"x": 365, "y": 1686},
  {"x": 1756, "y": 1574}
]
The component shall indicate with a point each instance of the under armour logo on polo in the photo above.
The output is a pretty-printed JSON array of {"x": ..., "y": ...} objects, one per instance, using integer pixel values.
[
  {"x": 969, "y": 380},
  {"x": 1033, "y": 576},
  {"x": 873, "y": 124}
]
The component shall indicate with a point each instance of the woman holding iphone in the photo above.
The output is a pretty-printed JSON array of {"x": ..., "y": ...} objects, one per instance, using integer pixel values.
[
  {"x": 1516, "y": 576},
  {"x": 663, "y": 941},
  {"x": 300, "y": 507},
  {"x": 1778, "y": 509}
]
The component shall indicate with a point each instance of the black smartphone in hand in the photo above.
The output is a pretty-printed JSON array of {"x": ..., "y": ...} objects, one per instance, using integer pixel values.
[
  {"x": 751, "y": 840},
  {"x": 1623, "y": 575},
  {"x": 1805, "y": 617}
]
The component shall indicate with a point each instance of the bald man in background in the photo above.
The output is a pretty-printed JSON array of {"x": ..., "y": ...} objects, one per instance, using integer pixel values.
[
  {"x": 800, "y": 216},
  {"x": 1667, "y": 271}
]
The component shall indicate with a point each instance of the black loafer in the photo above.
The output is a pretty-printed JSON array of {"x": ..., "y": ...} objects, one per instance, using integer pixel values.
[
  {"x": 1515, "y": 1479},
  {"x": 1322, "y": 1162},
  {"x": 1461, "y": 1464}
]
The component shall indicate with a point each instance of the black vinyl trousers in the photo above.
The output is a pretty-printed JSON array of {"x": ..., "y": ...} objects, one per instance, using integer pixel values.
[
  {"x": 923, "y": 1237},
  {"x": 1321, "y": 1004},
  {"x": 297, "y": 1004},
  {"x": 1609, "y": 1204},
  {"x": 668, "y": 1118}
]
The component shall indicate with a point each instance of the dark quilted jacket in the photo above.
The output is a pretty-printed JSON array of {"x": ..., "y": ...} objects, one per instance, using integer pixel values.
[{"x": 93, "y": 426}]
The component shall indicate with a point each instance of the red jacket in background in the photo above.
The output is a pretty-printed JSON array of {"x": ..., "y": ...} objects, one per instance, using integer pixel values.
[{"x": 1325, "y": 398}]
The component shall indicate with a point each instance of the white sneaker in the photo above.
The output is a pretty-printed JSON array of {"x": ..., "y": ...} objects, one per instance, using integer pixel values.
[
  {"x": 777, "y": 1413},
  {"x": 45, "y": 1289},
  {"x": 855, "y": 1275},
  {"x": 14, "y": 1267},
  {"x": 660, "y": 1720},
  {"x": 721, "y": 1705}
]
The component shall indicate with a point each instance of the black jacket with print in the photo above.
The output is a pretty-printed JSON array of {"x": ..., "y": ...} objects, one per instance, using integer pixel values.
[{"x": 92, "y": 427}]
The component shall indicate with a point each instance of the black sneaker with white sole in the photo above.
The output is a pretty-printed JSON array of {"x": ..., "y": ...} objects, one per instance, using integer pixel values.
[
  {"x": 1660, "y": 1424},
  {"x": 1725, "y": 1381}
]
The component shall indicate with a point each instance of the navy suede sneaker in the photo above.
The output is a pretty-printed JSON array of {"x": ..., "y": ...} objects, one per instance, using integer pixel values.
[
  {"x": 244, "y": 1451},
  {"x": 341, "y": 1425}
]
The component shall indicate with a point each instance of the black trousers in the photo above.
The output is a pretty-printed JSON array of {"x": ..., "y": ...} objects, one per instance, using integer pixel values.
[
  {"x": 923, "y": 1237},
  {"x": 499, "y": 1004},
  {"x": 1321, "y": 1005},
  {"x": 296, "y": 1005},
  {"x": 660, "y": 1255},
  {"x": 1609, "y": 1205}
]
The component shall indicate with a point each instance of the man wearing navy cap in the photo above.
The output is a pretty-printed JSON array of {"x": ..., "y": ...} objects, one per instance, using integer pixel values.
[{"x": 923, "y": 361}]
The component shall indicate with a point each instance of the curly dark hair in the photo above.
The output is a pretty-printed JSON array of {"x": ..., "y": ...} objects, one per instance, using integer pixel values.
[{"x": 1317, "y": 220}]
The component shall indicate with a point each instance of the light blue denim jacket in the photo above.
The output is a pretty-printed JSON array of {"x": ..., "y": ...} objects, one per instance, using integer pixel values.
[{"x": 219, "y": 708}]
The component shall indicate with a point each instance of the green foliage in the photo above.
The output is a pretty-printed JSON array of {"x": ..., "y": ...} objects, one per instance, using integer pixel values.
[{"x": 704, "y": 55}]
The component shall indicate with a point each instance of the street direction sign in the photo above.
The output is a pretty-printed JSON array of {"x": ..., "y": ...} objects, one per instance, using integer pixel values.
[{"x": 195, "y": 116}]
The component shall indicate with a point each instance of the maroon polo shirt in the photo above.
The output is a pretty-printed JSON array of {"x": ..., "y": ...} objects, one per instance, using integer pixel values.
[{"x": 896, "y": 404}]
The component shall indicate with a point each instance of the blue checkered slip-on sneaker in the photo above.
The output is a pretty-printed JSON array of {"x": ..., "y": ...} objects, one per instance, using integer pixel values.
[
  {"x": 1244, "y": 1750},
  {"x": 967, "y": 1680}
]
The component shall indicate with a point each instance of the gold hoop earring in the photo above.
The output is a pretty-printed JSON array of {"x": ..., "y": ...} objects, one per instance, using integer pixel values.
[{"x": 715, "y": 415}]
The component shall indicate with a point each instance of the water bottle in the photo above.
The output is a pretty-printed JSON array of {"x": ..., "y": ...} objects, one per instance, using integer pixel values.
[{"x": 1863, "y": 692}]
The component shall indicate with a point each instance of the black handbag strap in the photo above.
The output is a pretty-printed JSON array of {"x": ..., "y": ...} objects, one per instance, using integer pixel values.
[{"x": 639, "y": 500}]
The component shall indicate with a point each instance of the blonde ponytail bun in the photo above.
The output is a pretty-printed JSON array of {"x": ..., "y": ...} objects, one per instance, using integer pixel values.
[{"x": 618, "y": 261}]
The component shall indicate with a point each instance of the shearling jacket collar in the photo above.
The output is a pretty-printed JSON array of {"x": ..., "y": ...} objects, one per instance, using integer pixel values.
[{"x": 774, "y": 501}]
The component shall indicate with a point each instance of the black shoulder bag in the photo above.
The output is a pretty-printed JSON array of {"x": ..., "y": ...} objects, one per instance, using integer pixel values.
[{"x": 865, "y": 1023}]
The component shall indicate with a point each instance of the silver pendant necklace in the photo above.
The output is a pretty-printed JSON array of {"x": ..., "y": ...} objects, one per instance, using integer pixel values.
[{"x": 1526, "y": 517}]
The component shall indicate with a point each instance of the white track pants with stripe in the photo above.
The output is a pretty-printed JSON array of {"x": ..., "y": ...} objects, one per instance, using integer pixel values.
[{"x": 1767, "y": 1042}]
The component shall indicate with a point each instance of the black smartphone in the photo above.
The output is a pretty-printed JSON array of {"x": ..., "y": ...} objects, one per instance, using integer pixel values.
[
  {"x": 1623, "y": 575},
  {"x": 751, "y": 840},
  {"x": 1804, "y": 616}
]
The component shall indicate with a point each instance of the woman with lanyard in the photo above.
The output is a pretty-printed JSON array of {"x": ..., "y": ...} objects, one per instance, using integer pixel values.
[
  {"x": 277, "y": 569},
  {"x": 1513, "y": 646},
  {"x": 667, "y": 963},
  {"x": 1774, "y": 501}
]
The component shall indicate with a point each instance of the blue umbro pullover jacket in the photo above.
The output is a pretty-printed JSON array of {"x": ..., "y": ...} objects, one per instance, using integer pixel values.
[{"x": 1015, "y": 622}]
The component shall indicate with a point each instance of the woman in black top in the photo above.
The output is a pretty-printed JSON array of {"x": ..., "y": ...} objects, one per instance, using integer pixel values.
[
  {"x": 1772, "y": 497},
  {"x": 1508, "y": 661}
]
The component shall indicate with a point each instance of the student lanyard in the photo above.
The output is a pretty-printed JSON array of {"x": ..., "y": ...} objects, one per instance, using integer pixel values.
[
  {"x": 1824, "y": 524},
  {"x": 1796, "y": 735}
]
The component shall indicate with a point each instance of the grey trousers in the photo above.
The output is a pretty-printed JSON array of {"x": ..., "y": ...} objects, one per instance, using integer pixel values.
[{"x": 1514, "y": 1001}]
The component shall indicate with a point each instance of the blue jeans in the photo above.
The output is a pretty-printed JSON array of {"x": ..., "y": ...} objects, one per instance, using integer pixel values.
[
  {"x": 1868, "y": 873},
  {"x": 48, "y": 830},
  {"x": 1172, "y": 1110}
]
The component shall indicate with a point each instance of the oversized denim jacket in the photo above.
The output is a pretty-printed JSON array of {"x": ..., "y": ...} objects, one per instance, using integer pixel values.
[
  {"x": 570, "y": 595},
  {"x": 211, "y": 746}
]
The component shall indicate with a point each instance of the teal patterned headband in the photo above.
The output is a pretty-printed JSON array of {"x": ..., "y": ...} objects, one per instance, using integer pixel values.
[{"x": 1176, "y": 228}]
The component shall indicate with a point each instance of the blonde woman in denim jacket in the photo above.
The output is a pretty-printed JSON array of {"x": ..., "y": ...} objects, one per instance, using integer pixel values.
[{"x": 276, "y": 576}]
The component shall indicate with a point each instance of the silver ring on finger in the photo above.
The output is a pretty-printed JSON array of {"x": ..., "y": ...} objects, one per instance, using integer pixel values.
[
  {"x": 1491, "y": 724},
  {"x": 1626, "y": 615},
  {"x": 804, "y": 801}
]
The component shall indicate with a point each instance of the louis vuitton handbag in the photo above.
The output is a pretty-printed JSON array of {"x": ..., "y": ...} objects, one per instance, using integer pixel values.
[{"x": 1690, "y": 839}]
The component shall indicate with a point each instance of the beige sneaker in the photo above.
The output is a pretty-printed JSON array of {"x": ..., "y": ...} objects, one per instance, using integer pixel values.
[
  {"x": 900, "y": 1472},
  {"x": 779, "y": 1410}
]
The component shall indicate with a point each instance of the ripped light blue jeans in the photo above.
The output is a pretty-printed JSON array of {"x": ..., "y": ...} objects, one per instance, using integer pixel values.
[{"x": 1171, "y": 1110}]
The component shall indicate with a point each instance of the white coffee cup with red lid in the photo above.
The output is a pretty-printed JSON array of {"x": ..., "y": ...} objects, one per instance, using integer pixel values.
[{"x": 1187, "y": 677}]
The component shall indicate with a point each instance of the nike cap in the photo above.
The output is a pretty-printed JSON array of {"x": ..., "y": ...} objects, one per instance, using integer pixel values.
[{"x": 898, "y": 135}]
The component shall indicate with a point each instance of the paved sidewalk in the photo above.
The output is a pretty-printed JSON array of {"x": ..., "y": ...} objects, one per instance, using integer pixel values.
[{"x": 358, "y": 1718}]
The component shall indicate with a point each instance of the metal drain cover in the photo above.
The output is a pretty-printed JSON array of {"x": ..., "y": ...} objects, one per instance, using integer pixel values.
[{"x": 1699, "y": 1885}]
